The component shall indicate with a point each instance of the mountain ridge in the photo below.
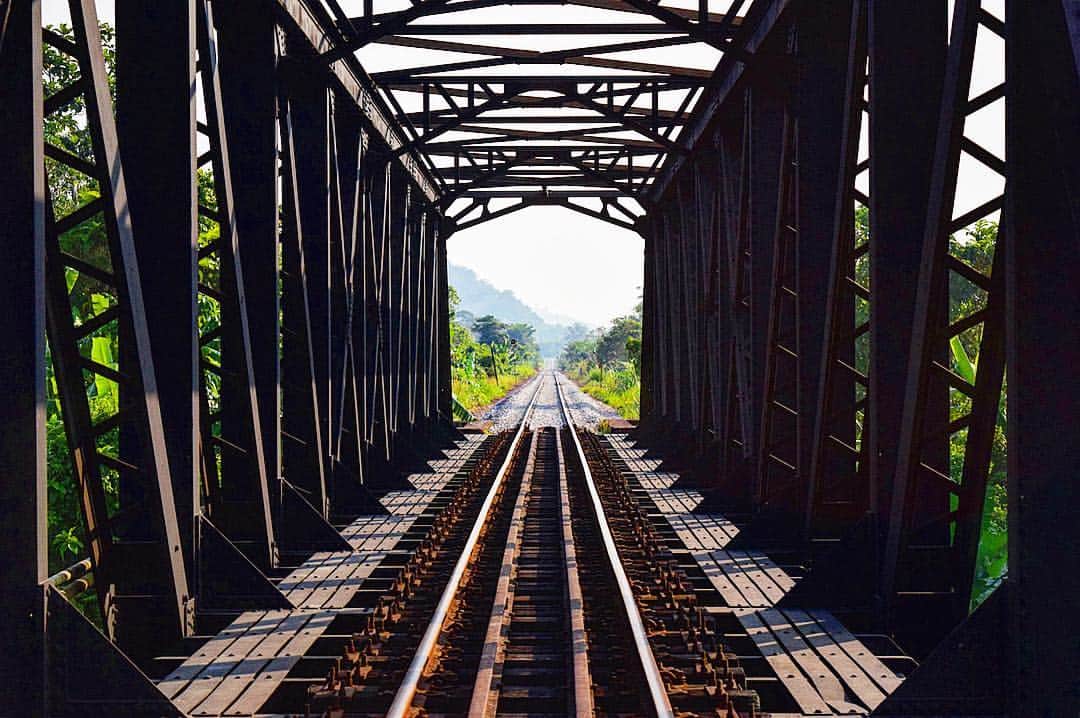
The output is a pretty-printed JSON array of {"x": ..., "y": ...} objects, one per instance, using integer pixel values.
[{"x": 480, "y": 297}]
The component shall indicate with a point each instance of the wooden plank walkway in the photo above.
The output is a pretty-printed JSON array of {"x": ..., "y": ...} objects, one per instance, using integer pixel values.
[
  {"x": 824, "y": 668},
  {"x": 746, "y": 579},
  {"x": 237, "y": 671},
  {"x": 699, "y": 531}
]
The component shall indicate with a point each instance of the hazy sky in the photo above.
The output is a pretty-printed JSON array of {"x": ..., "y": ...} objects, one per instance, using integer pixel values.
[
  {"x": 556, "y": 261},
  {"x": 564, "y": 263}
]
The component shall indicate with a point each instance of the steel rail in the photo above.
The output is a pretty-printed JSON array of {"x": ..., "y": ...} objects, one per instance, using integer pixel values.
[
  {"x": 485, "y": 693},
  {"x": 579, "y": 644},
  {"x": 406, "y": 692},
  {"x": 657, "y": 690},
  {"x": 501, "y": 607}
]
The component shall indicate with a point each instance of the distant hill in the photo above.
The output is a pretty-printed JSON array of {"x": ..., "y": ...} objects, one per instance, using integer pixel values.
[{"x": 479, "y": 297}]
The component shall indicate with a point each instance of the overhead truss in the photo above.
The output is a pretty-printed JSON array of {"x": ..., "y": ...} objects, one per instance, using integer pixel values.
[{"x": 591, "y": 115}]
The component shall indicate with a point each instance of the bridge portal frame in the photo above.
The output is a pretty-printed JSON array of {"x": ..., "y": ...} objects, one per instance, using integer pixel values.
[{"x": 754, "y": 314}]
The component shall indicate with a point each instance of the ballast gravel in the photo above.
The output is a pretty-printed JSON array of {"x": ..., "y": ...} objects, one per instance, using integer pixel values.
[{"x": 587, "y": 411}]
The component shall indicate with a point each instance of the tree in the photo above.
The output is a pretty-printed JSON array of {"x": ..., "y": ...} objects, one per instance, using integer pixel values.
[
  {"x": 489, "y": 330},
  {"x": 465, "y": 317},
  {"x": 575, "y": 332},
  {"x": 576, "y": 352},
  {"x": 454, "y": 301},
  {"x": 522, "y": 339},
  {"x": 612, "y": 345},
  {"x": 521, "y": 333},
  {"x": 633, "y": 354}
]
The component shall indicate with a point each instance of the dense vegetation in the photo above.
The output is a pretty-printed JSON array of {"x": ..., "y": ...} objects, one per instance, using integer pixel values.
[
  {"x": 975, "y": 246},
  {"x": 488, "y": 357},
  {"x": 606, "y": 363},
  {"x": 66, "y": 128},
  {"x": 70, "y": 190}
]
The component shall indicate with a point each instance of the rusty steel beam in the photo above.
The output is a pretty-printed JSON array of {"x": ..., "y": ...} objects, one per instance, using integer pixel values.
[
  {"x": 1043, "y": 111},
  {"x": 305, "y": 22},
  {"x": 23, "y": 467},
  {"x": 137, "y": 553},
  {"x": 936, "y": 510}
]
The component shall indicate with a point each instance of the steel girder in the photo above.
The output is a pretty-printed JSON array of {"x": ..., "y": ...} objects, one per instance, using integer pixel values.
[
  {"x": 1042, "y": 73},
  {"x": 23, "y": 465},
  {"x": 143, "y": 530},
  {"x": 241, "y": 312},
  {"x": 837, "y": 331},
  {"x": 469, "y": 140},
  {"x": 841, "y": 349}
]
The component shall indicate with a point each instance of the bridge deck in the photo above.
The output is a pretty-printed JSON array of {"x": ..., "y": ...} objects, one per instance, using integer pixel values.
[
  {"x": 824, "y": 667},
  {"x": 236, "y": 672}
]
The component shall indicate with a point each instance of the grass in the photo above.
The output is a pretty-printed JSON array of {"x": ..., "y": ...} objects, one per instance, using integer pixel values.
[
  {"x": 618, "y": 389},
  {"x": 477, "y": 394}
]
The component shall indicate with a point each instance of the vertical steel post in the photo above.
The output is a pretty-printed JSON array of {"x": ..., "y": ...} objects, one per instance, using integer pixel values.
[
  {"x": 766, "y": 130},
  {"x": 778, "y": 470},
  {"x": 155, "y": 72},
  {"x": 23, "y": 496},
  {"x": 245, "y": 505},
  {"x": 397, "y": 298},
  {"x": 666, "y": 356},
  {"x": 1043, "y": 208},
  {"x": 303, "y": 459},
  {"x": 711, "y": 259},
  {"x": 310, "y": 110},
  {"x": 728, "y": 184},
  {"x": 248, "y": 51},
  {"x": 137, "y": 553},
  {"x": 346, "y": 439},
  {"x": 905, "y": 99},
  {"x": 687, "y": 305},
  {"x": 739, "y": 434},
  {"x": 837, "y": 473},
  {"x": 377, "y": 173},
  {"x": 717, "y": 332},
  {"x": 433, "y": 357},
  {"x": 648, "y": 323},
  {"x": 443, "y": 322},
  {"x": 824, "y": 37},
  {"x": 936, "y": 504}
]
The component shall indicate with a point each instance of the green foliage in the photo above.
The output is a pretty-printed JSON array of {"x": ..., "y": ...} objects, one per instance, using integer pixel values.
[
  {"x": 577, "y": 352},
  {"x": 67, "y": 130},
  {"x": 489, "y": 360},
  {"x": 575, "y": 332},
  {"x": 975, "y": 246},
  {"x": 633, "y": 353},
  {"x": 607, "y": 364},
  {"x": 611, "y": 345},
  {"x": 620, "y": 389},
  {"x": 70, "y": 190},
  {"x": 489, "y": 330},
  {"x": 477, "y": 392},
  {"x": 459, "y": 411}
]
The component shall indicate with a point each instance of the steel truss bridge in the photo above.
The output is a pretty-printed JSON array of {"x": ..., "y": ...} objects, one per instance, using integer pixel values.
[{"x": 797, "y": 196}]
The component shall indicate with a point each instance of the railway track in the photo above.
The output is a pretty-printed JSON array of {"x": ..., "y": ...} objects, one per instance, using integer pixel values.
[{"x": 546, "y": 597}]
